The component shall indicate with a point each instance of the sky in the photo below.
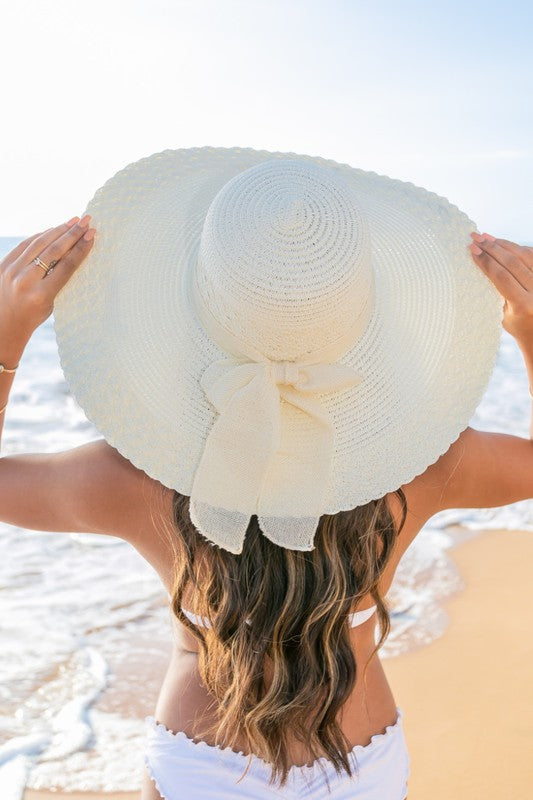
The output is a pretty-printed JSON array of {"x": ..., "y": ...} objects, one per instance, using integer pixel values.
[{"x": 436, "y": 93}]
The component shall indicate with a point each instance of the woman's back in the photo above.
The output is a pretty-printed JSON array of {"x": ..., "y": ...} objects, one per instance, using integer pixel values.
[
  {"x": 371, "y": 706},
  {"x": 369, "y": 709}
]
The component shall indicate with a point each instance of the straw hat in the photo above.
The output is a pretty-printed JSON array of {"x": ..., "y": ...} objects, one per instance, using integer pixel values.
[{"x": 275, "y": 334}]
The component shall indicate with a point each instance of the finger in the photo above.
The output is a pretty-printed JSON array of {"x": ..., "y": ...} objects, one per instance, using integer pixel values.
[
  {"x": 510, "y": 260},
  {"x": 505, "y": 282},
  {"x": 520, "y": 250},
  {"x": 39, "y": 243},
  {"x": 16, "y": 252},
  {"x": 64, "y": 269},
  {"x": 60, "y": 246}
]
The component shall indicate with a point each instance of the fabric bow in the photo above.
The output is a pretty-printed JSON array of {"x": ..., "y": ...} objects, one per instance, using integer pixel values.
[{"x": 253, "y": 461}]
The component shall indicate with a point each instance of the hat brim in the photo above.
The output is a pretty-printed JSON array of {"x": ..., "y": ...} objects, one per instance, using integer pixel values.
[{"x": 132, "y": 350}]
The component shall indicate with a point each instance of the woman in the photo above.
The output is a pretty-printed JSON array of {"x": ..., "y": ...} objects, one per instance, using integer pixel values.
[{"x": 275, "y": 687}]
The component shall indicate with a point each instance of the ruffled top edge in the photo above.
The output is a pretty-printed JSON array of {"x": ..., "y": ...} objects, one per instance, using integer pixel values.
[{"x": 376, "y": 740}]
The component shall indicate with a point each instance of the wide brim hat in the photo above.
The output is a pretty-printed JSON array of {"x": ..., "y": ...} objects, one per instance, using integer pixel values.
[{"x": 135, "y": 340}]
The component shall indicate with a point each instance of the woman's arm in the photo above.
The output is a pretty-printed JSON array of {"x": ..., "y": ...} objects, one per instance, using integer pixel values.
[
  {"x": 510, "y": 267},
  {"x": 87, "y": 489},
  {"x": 526, "y": 347},
  {"x": 483, "y": 469},
  {"x": 27, "y": 293},
  {"x": 91, "y": 488}
]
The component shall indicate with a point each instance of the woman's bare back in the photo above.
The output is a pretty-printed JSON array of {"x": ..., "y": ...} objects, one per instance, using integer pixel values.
[{"x": 371, "y": 707}]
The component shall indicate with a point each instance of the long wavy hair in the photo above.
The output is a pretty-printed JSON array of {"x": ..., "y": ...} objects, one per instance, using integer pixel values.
[{"x": 282, "y": 613}]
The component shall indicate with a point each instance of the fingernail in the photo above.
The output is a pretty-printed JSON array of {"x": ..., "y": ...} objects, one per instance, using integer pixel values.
[
  {"x": 489, "y": 237},
  {"x": 84, "y": 221},
  {"x": 477, "y": 236},
  {"x": 72, "y": 221},
  {"x": 89, "y": 235},
  {"x": 475, "y": 249}
]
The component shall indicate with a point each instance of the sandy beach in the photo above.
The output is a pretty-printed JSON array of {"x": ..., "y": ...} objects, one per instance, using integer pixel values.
[{"x": 467, "y": 697}]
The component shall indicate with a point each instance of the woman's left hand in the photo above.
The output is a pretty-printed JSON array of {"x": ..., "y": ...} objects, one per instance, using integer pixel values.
[{"x": 27, "y": 292}]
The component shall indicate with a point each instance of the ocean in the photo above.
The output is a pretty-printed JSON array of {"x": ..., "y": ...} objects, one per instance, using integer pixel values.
[{"x": 85, "y": 628}]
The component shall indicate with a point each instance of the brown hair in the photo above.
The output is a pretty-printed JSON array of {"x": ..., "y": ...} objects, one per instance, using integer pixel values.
[{"x": 297, "y": 604}]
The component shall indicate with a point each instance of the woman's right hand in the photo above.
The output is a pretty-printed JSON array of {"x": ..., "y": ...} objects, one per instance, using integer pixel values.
[
  {"x": 26, "y": 293},
  {"x": 510, "y": 268}
]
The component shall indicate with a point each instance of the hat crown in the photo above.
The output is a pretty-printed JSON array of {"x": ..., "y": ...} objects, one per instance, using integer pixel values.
[
  {"x": 289, "y": 212},
  {"x": 284, "y": 260}
]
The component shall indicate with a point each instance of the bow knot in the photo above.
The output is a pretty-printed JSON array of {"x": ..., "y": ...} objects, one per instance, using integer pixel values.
[
  {"x": 258, "y": 460},
  {"x": 285, "y": 372}
]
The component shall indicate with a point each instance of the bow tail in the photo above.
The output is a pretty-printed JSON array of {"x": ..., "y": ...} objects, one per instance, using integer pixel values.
[
  {"x": 298, "y": 475},
  {"x": 232, "y": 469}
]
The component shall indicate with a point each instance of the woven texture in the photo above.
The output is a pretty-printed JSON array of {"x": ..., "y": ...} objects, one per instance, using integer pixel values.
[{"x": 331, "y": 317}]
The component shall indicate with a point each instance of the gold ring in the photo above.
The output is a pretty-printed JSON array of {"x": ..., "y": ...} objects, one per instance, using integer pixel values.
[{"x": 37, "y": 261}]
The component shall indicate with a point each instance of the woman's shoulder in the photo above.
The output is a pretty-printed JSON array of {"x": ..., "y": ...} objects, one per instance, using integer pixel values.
[
  {"x": 480, "y": 469},
  {"x": 135, "y": 503},
  {"x": 430, "y": 491}
]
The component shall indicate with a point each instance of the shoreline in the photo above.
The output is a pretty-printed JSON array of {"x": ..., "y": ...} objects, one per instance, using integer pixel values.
[{"x": 466, "y": 696}]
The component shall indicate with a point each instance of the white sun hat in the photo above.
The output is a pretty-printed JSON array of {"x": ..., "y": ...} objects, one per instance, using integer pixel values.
[{"x": 275, "y": 334}]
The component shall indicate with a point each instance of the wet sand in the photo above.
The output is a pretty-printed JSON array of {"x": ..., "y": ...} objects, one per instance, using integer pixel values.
[{"x": 468, "y": 696}]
